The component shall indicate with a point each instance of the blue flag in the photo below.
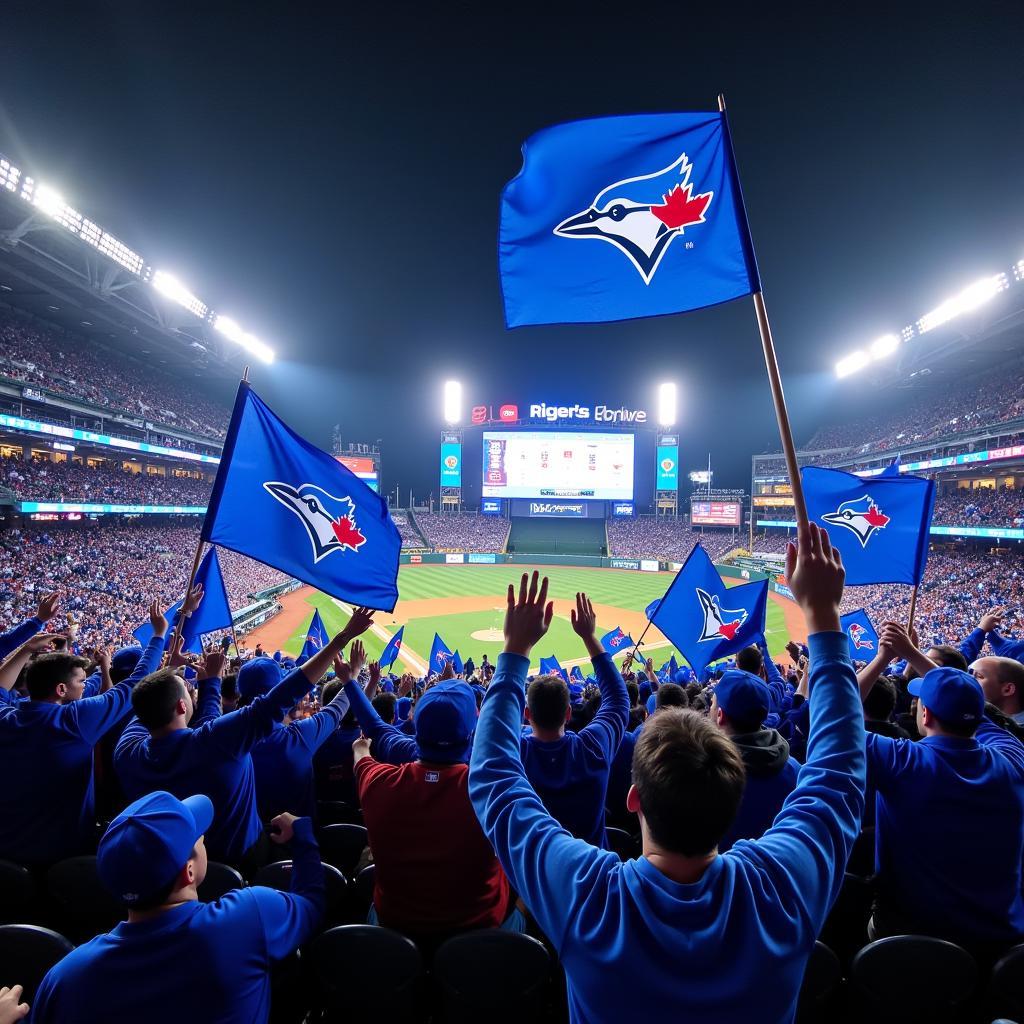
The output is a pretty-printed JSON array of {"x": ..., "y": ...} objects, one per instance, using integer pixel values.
[
  {"x": 440, "y": 654},
  {"x": 394, "y": 647},
  {"x": 615, "y": 641},
  {"x": 213, "y": 612},
  {"x": 705, "y": 619},
  {"x": 550, "y": 666},
  {"x": 861, "y": 635},
  {"x": 673, "y": 665},
  {"x": 576, "y": 675},
  {"x": 621, "y": 217},
  {"x": 290, "y": 505},
  {"x": 880, "y": 524},
  {"x": 316, "y": 637},
  {"x": 457, "y": 666}
]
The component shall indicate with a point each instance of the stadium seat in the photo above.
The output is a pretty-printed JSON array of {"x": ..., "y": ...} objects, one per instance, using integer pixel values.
[
  {"x": 846, "y": 927},
  {"x": 492, "y": 975},
  {"x": 821, "y": 980},
  {"x": 27, "y": 952},
  {"x": 17, "y": 893},
  {"x": 912, "y": 979},
  {"x": 1006, "y": 988},
  {"x": 79, "y": 905},
  {"x": 343, "y": 846},
  {"x": 361, "y": 971},
  {"x": 220, "y": 880},
  {"x": 279, "y": 876},
  {"x": 622, "y": 843},
  {"x": 337, "y": 812},
  {"x": 362, "y": 893}
]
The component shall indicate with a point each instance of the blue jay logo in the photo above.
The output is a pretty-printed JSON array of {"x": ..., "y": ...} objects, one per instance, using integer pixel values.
[
  {"x": 642, "y": 216},
  {"x": 718, "y": 623},
  {"x": 861, "y": 517},
  {"x": 330, "y": 522},
  {"x": 859, "y": 635}
]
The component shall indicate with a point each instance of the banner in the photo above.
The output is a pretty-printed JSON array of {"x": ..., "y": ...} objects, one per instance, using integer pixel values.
[
  {"x": 668, "y": 467},
  {"x": 451, "y": 464}
]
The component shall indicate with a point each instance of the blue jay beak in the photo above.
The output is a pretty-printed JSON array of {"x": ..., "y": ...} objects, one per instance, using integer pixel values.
[
  {"x": 284, "y": 493},
  {"x": 578, "y": 224}
]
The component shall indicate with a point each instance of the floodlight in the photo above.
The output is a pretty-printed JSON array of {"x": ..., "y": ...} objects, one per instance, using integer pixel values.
[
  {"x": 452, "y": 401},
  {"x": 970, "y": 298},
  {"x": 226, "y": 326},
  {"x": 852, "y": 363},
  {"x": 47, "y": 199},
  {"x": 884, "y": 346},
  {"x": 666, "y": 404},
  {"x": 170, "y": 286}
]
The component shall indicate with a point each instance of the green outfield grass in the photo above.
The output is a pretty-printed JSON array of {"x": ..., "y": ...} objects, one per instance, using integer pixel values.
[{"x": 631, "y": 591}]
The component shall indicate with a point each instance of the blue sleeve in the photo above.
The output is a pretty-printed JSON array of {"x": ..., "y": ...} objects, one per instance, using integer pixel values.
[
  {"x": 390, "y": 744},
  {"x": 807, "y": 847},
  {"x": 149, "y": 661},
  {"x": 14, "y": 638},
  {"x": 289, "y": 919},
  {"x": 971, "y": 646},
  {"x": 315, "y": 730},
  {"x": 992, "y": 736},
  {"x": 604, "y": 734},
  {"x": 1004, "y": 647},
  {"x": 552, "y": 871},
  {"x": 208, "y": 703},
  {"x": 93, "y": 684},
  {"x": 776, "y": 684}
]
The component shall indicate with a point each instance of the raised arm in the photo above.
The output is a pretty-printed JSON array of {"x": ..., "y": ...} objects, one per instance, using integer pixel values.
[
  {"x": 208, "y": 705},
  {"x": 391, "y": 745},
  {"x": 773, "y": 677},
  {"x": 15, "y": 662},
  {"x": 868, "y": 675},
  {"x": 14, "y": 638},
  {"x": 604, "y": 734}
]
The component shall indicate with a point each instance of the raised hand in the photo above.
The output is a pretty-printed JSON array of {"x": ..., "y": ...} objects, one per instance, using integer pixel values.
[
  {"x": 584, "y": 624},
  {"x": 41, "y": 642},
  {"x": 448, "y": 672},
  {"x": 992, "y": 619},
  {"x": 375, "y": 673},
  {"x": 176, "y": 657},
  {"x": 342, "y": 671},
  {"x": 356, "y": 657},
  {"x": 406, "y": 685},
  {"x": 527, "y": 618},
  {"x": 47, "y": 606},
  {"x": 793, "y": 650},
  {"x": 213, "y": 666},
  {"x": 193, "y": 601},
  {"x": 157, "y": 620},
  {"x": 361, "y": 621},
  {"x": 815, "y": 574},
  {"x": 360, "y": 749}
]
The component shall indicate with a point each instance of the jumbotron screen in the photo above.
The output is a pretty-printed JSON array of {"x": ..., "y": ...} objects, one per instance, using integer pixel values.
[
  {"x": 557, "y": 464},
  {"x": 715, "y": 513}
]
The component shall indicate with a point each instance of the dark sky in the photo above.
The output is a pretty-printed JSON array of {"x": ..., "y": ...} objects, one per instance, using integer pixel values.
[{"x": 330, "y": 175}]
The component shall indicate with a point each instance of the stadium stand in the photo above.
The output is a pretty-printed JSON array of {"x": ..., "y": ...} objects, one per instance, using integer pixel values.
[
  {"x": 410, "y": 535},
  {"x": 462, "y": 531},
  {"x": 670, "y": 540}
]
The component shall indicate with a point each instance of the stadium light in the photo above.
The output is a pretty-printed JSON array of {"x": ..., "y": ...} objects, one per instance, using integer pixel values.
[
  {"x": 970, "y": 298},
  {"x": 49, "y": 200},
  {"x": 170, "y": 286},
  {"x": 884, "y": 346},
  {"x": 226, "y": 326},
  {"x": 452, "y": 401},
  {"x": 666, "y": 404},
  {"x": 852, "y": 363}
]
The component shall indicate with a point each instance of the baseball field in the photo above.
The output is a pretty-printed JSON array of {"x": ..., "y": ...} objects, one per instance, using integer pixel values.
[{"x": 465, "y": 604}]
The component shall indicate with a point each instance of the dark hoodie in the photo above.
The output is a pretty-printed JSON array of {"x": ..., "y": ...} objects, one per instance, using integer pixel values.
[{"x": 771, "y": 776}]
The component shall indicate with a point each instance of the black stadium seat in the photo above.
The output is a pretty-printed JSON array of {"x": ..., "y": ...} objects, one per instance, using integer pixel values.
[
  {"x": 365, "y": 972},
  {"x": 1006, "y": 989},
  {"x": 220, "y": 880},
  {"x": 17, "y": 893},
  {"x": 279, "y": 876},
  {"x": 492, "y": 975},
  {"x": 821, "y": 980},
  {"x": 27, "y": 952},
  {"x": 79, "y": 905},
  {"x": 343, "y": 846},
  {"x": 362, "y": 892},
  {"x": 912, "y": 979},
  {"x": 337, "y": 812}
]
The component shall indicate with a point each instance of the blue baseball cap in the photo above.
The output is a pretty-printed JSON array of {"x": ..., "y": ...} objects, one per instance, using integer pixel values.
[
  {"x": 123, "y": 663},
  {"x": 148, "y": 843},
  {"x": 258, "y": 677},
  {"x": 445, "y": 719},
  {"x": 402, "y": 706},
  {"x": 743, "y": 696},
  {"x": 950, "y": 694}
]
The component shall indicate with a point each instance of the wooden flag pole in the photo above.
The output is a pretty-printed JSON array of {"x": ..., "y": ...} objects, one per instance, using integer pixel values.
[
  {"x": 778, "y": 397},
  {"x": 629, "y": 658},
  {"x": 913, "y": 609}
]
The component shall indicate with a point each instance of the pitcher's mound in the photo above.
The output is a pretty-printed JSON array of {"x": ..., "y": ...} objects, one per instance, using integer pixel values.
[{"x": 491, "y": 636}]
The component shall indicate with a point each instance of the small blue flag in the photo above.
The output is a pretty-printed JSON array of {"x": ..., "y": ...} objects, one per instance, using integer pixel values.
[
  {"x": 394, "y": 647},
  {"x": 457, "y": 666},
  {"x": 861, "y": 635},
  {"x": 440, "y": 655},
  {"x": 284, "y": 502},
  {"x": 316, "y": 637},
  {"x": 615, "y": 641},
  {"x": 659, "y": 192},
  {"x": 880, "y": 524},
  {"x": 673, "y": 665},
  {"x": 705, "y": 619},
  {"x": 576, "y": 675},
  {"x": 213, "y": 612},
  {"x": 550, "y": 666}
]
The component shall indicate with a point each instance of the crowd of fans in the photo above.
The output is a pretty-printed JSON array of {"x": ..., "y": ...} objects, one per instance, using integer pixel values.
[
  {"x": 463, "y": 531},
  {"x": 410, "y": 537},
  {"x": 108, "y": 483},
  {"x": 36, "y": 354},
  {"x": 666, "y": 539},
  {"x": 980, "y": 507}
]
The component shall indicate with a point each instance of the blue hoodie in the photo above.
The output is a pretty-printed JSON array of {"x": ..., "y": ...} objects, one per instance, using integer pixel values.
[{"x": 730, "y": 948}]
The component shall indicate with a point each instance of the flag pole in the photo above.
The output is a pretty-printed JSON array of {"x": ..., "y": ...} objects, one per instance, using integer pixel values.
[
  {"x": 778, "y": 396},
  {"x": 913, "y": 608},
  {"x": 629, "y": 658}
]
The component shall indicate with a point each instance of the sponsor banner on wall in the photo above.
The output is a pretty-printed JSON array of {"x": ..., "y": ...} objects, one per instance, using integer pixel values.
[
  {"x": 455, "y": 559},
  {"x": 648, "y": 565},
  {"x": 478, "y": 558},
  {"x": 623, "y": 508},
  {"x": 415, "y": 559},
  {"x": 624, "y": 563}
]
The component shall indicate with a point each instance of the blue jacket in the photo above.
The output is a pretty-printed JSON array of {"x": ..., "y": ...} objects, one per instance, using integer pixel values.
[
  {"x": 730, "y": 948},
  {"x": 14, "y": 638},
  {"x": 1004, "y": 647},
  {"x": 133, "y": 972},
  {"x": 50, "y": 813},
  {"x": 212, "y": 758},
  {"x": 950, "y": 833}
]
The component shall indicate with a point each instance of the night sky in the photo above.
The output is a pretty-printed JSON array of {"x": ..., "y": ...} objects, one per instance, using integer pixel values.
[{"x": 331, "y": 178}]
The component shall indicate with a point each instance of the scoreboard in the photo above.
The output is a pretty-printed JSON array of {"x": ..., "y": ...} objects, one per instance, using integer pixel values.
[{"x": 716, "y": 513}]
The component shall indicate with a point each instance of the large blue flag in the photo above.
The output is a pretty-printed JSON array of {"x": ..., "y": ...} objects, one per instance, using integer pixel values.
[
  {"x": 213, "y": 613},
  {"x": 316, "y": 637},
  {"x": 576, "y": 676},
  {"x": 880, "y": 524},
  {"x": 457, "y": 665},
  {"x": 440, "y": 654},
  {"x": 550, "y": 666},
  {"x": 658, "y": 191},
  {"x": 861, "y": 634},
  {"x": 705, "y": 619},
  {"x": 394, "y": 647},
  {"x": 284, "y": 502},
  {"x": 615, "y": 641}
]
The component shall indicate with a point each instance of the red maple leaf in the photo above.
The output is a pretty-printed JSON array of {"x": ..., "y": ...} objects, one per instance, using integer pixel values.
[
  {"x": 348, "y": 533},
  {"x": 728, "y": 629},
  {"x": 875, "y": 518},
  {"x": 680, "y": 210}
]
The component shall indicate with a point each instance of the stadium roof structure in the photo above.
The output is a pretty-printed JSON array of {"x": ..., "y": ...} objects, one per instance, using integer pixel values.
[{"x": 63, "y": 267}]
